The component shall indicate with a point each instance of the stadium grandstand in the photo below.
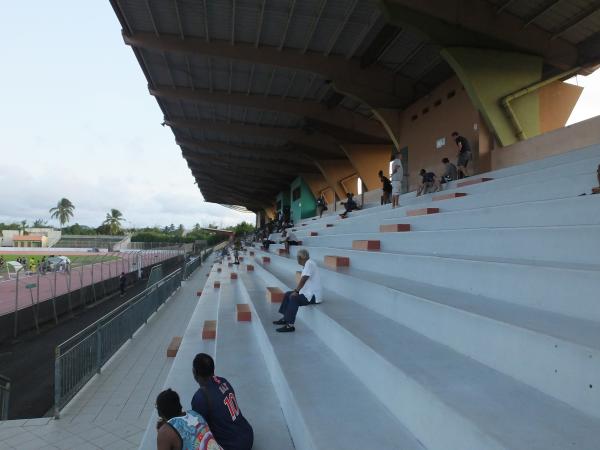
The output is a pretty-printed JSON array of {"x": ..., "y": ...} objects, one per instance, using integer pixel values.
[{"x": 463, "y": 319}]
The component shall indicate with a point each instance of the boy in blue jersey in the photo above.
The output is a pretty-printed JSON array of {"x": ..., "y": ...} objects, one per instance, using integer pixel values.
[{"x": 216, "y": 402}]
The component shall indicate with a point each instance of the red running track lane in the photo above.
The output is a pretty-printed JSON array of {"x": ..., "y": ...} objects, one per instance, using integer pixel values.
[{"x": 80, "y": 276}]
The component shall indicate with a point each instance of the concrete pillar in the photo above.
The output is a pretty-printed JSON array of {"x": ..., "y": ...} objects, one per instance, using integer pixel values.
[
  {"x": 334, "y": 171},
  {"x": 368, "y": 160}
]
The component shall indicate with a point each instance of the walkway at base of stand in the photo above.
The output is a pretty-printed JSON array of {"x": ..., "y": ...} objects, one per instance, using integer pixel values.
[{"x": 113, "y": 410}]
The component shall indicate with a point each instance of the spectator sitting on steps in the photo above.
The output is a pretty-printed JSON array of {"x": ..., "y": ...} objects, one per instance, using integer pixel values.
[
  {"x": 428, "y": 184},
  {"x": 179, "y": 430},
  {"x": 387, "y": 188},
  {"x": 216, "y": 401},
  {"x": 308, "y": 292},
  {"x": 464, "y": 154},
  {"x": 349, "y": 205},
  {"x": 289, "y": 238},
  {"x": 450, "y": 172}
]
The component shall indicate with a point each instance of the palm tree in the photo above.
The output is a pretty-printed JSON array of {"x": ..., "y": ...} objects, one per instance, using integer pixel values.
[
  {"x": 63, "y": 211},
  {"x": 113, "y": 221}
]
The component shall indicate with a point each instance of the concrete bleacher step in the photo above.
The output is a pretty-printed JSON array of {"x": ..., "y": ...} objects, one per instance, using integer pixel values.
[
  {"x": 239, "y": 359},
  {"x": 569, "y": 173},
  {"x": 411, "y": 366},
  {"x": 567, "y": 350},
  {"x": 191, "y": 344},
  {"x": 450, "y": 393},
  {"x": 537, "y": 206},
  {"x": 575, "y": 244},
  {"x": 326, "y": 407},
  {"x": 543, "y": 287}
]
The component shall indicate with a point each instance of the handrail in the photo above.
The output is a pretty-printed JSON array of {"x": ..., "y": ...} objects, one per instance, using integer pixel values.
[{"x": 82, "y": 356}]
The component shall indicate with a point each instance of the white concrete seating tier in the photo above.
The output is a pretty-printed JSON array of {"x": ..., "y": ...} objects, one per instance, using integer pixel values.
[
  {"x": 477, "y": 329},
  {"x": 237, "y": 358},
  {"x": 429, "y": 385},
  {"x": 544, "y": 183}
]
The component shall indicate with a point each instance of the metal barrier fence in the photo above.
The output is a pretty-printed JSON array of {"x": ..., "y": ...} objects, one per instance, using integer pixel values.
[
  {"x": 4, "y": 397},
  {"x": 83, "y": 355},
  {"x": 95, "y": 275}
]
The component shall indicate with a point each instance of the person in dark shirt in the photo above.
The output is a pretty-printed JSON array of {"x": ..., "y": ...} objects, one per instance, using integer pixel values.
[
  {"x": 464, "y": 154},
  {"x": 387, "y": 189},
  {"x": 216, "y": 402},
  {"x": 321, "y": 205},
  {"x": 122, "y": 283},
  {"x": 349, "y": 205},
  {"x": 450, "y": 172},
  {"x": 428, "y": 183}
]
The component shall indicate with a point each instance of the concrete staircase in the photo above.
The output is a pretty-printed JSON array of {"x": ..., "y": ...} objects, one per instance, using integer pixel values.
[{"x": 479, "y": 328}]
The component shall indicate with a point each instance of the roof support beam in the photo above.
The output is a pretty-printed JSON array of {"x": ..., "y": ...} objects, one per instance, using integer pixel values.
[
  {"x": 235, "y": 163},
  {"x": 475, "y": 23},
  {"x": 294, "y": 136},
  {"x": 339, "y": 117},
  {"x": 257, "y": 153},
  {"x": 373, "y": 85}
]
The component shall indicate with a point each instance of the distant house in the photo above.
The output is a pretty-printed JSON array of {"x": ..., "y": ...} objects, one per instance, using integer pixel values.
[{"x": 30, "y": 240}]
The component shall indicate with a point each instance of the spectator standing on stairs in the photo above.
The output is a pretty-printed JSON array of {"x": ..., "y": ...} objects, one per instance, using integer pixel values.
[
  {"x": 397, "y": 174},
  {"x": 321, "y": 205},
  {"x": 216, "y": 401},
  {"x": 178, "y": 429},
  {"x": 464, "y": 154},
  {"x": 308, "y": 292},
  {"x": 386, "y": 188}
]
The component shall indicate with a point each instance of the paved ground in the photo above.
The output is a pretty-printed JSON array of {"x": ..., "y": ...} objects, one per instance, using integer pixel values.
[
  {"x": 61, "y": 283},
  {"x": 113, "y": 410}
]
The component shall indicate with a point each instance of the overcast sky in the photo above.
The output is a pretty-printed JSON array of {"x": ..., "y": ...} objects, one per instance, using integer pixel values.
[{"x": 76, "y": 121}]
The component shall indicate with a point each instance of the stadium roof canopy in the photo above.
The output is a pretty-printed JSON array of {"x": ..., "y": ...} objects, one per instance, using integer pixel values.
[{"x": 256, "y": 92}]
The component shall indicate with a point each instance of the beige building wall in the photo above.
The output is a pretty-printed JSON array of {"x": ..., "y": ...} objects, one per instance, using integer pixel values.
[
  {"x": 447, "y": 109},
  {"x": 557, "y": 101},
  {"x": 575, "y": 136}
]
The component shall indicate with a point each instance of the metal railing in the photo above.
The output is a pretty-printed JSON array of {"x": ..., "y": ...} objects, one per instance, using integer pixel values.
[
  {"x": 4, "y": 397},
  {"x": 82, "y": 356}
]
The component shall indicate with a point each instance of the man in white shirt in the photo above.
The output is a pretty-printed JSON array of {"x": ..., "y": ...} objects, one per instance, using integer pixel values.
[
  {"x": 289, "y": 238},
  {"x": 397, "y": 174},
  {"x": 308, "y": 292}
]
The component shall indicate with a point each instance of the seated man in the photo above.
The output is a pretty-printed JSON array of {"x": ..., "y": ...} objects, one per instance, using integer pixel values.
[
  {"x": 350, "y": 205},
  {"x": 289, "y": 238},
  {"x": 450, "y": 173},
  {"x": 387, "y": 188},
  {"x": 181, "y": 430},
  {"x": 216, "y": 401},
  {"x": 307, "y": 292},
  {"x": 270, "y": 240},
  {"x": 428, "y": 183}
]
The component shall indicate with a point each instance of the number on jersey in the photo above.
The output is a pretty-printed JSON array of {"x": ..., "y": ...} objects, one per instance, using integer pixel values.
[{"x": 232, "y": 405}]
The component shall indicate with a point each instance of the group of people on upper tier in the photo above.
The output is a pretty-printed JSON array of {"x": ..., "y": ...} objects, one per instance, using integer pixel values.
[{"x": 430, "y": 182}]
